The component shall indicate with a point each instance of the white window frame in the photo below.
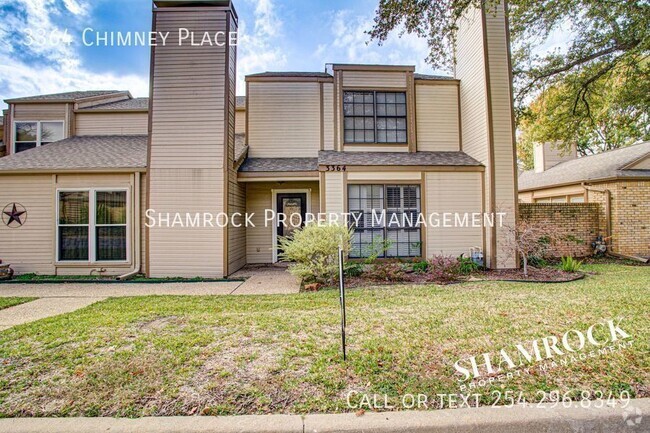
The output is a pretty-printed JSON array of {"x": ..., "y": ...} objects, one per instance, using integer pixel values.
[
  {"x": 92, "y": 226},
  {"x": 39, "y": 141}
]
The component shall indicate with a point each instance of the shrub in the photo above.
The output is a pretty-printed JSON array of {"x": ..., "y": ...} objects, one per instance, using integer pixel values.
[
  {"x": 443, "y": 268},
  {"x": 537, "y": 262},
  {"x": 569, "y": 264},
  {"x": 421, "y": 267},
  {"x": 386, "y": 272},
  {"x": 466, "y": 265},
  {"x": 353, "y": 269},
  {"x": 375, "y": 249},
  {"x": 313, "y": 250}
]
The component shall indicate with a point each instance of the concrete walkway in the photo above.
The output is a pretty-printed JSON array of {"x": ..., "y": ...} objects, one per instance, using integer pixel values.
[
  {"x": 117, "y": 290},
  {"x": 55, "y": 299},
  {"x": 42, "y": 308},
  {"x": 532, "y": 419},
  {"x": 266, "y": 279}
]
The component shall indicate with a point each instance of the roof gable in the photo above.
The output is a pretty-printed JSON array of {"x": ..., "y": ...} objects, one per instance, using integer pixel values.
[{"x": 606, "y": 165}]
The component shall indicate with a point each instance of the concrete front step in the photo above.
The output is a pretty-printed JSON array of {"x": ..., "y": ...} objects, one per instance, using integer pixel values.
[{"x": 634, "y": 418}]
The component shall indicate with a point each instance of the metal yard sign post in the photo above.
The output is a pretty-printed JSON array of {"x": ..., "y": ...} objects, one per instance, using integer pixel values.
[{"x": 342, "y": 298}]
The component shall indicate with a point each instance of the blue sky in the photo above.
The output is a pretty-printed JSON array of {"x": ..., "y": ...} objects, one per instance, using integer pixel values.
[
  {"x": 275, "y": 35},
  {"x": 289, "y": 35}
]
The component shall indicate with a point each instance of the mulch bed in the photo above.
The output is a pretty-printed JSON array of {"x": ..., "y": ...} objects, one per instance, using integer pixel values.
[{"x": 535, "y": 275}]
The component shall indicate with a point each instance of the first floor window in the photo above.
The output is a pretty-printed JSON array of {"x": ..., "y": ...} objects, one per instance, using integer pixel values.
[
  {"x": 33, "y": 134},
  {"x": 385, "y": 220},
  {"x": 92, "y": 226}
]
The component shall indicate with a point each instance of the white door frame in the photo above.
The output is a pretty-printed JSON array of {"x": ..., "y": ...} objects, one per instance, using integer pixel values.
[{"x": 274, "y": 206}]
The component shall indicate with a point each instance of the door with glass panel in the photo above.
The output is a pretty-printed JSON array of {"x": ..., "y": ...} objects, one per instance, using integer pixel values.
[{"x": 291, "y": 208}]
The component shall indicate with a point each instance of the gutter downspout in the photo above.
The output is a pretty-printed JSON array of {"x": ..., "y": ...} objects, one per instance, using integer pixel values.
[
  {"x": 137, "y": 234},
  {"x": 608, "y": 205}
]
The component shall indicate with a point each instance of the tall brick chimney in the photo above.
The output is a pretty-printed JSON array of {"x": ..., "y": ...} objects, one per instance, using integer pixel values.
[
  {"x": 483, "y": 67},
  {"x": 191, "y": 130}
]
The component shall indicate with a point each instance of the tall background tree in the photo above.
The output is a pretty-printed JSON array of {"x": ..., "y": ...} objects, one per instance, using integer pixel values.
[{"x": 594, "y": 92}]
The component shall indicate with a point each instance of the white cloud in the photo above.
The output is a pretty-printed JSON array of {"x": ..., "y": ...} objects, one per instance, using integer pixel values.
[
  {"x": 259, "y": 47},
  {"x": 52, "y": 67},
  {"x": 351, "y": 44}
]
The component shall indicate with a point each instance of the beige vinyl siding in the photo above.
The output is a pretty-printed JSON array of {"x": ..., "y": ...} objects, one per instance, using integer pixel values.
[
  {"x": 40, "y": 111},
  {"x": 334, "y": 193},
  {"x": 437, "y": 118},
  {"x": 384, "y": 176},
  {"x": 32, "y": 247},
  {"x": 453, "y": 192},
  {"x": 328, "y": 116},
  {"x": 112, "y": 123},
  {"x": 567, "y": 190},
  {"x": 236, "y": 190},
  {"x": 259, "y": 198},
  {"x": 240, "y": 122},
  {"x": 470, "y": 69},
  {"x": 143, "y": 229},
  {"x": 644, "y": 164},
  {"x": 374, "y": 79},
  {"x": 284, "y": 119},
  {"x": 525, "y": 197},
  {"x": 186, "y": 171},
  {"x": 501, "y": 102}
]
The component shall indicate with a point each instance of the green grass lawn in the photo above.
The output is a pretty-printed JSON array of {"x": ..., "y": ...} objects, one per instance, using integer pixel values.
[
  {"x": 10, "y": 302},
  {"x": 281, "y": 354}
]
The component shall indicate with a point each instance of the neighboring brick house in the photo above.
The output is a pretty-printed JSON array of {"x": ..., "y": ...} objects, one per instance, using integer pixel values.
[
  {"x": 352, "y": 139},
  {"x": 618, "y": 180}
]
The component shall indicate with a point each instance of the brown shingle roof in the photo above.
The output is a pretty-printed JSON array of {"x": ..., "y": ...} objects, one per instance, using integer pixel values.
[
  {"x": 292, "y": 74},
  {"x": 279, "y": 164},
  {"x": 134, "y": 104},
  {"x": 66, "y": 96},
  {"x": 82, "y": 153},
  {"x": 605, "y": 165},
  {"x": 328, "y": 157},
  {"x": 432, "y": 77}
]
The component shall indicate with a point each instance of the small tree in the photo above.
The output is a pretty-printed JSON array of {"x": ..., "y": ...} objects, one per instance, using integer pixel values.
[
  {"x": 529, "y": 239},
  {"x": 313, "y": 251}
]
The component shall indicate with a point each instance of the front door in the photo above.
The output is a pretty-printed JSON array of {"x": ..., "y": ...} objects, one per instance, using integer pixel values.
[{"x": 291, "y": 208}]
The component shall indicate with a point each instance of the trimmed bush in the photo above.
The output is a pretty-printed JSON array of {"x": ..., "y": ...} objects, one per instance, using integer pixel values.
[
  {"x": 443, "y": 269},
  {"x": 386, "y": 272},
  {"x": 313, "y": 251}
]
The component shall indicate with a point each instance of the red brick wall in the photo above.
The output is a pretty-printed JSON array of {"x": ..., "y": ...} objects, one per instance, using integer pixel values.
[{"x": 577, "y": 224}]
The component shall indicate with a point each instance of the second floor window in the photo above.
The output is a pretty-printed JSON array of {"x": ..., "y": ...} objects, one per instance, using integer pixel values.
[
  {"x": 374, "y": 117},
  {"x": 33, "y": 134}
]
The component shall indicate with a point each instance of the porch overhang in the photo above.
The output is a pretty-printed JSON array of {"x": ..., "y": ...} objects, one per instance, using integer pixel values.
[{"x": 270, "y": 176}]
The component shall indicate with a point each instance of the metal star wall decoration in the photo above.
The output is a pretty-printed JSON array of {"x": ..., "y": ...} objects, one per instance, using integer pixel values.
[{"x": 14, "y": 215}]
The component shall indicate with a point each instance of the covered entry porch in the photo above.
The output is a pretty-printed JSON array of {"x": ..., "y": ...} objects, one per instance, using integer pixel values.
[{"x": 280, "y": 195}]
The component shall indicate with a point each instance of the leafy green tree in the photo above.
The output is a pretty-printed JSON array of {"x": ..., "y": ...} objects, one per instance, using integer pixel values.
[
  {"x": 609, "y": 42},
  {"x": 614, "y": 114}
]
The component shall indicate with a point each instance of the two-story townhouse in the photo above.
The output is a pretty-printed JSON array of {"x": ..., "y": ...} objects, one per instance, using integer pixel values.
[{"x": 89, "y": 168}]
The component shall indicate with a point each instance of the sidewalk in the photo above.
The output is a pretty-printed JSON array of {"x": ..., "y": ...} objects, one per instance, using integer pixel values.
[
  {"x": 41, "y": 309},
  {"x": 55, "y": 299},
  {"x": 636, "y": 418}
]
